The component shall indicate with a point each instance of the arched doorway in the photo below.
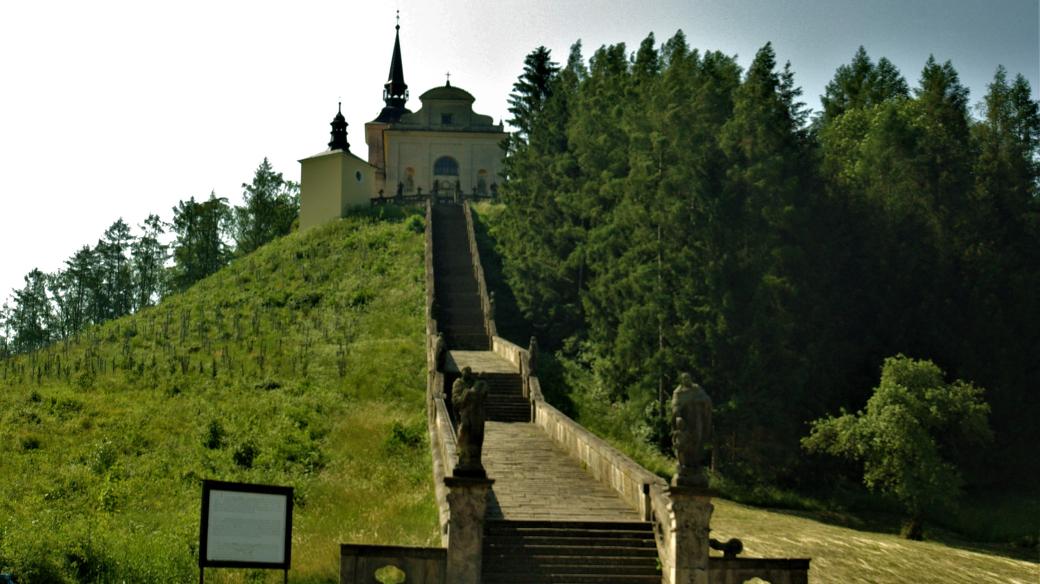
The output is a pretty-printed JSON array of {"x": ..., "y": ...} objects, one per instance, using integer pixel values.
[{"x": 445, "y": 174}]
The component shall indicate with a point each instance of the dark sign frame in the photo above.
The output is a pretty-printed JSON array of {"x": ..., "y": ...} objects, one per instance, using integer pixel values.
[{"x": 207, "y": 487}]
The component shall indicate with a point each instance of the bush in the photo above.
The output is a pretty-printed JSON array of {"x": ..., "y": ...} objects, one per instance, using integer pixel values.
[
  {"x": 416, "y": 224},
  {"x": 404, "y": 438},
  {"x": 245, "y": 454},
  {"x": 215, "y": 434}
]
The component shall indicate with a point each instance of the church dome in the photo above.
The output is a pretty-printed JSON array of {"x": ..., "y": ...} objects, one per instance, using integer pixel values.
[{"x": 447, "y": 93}]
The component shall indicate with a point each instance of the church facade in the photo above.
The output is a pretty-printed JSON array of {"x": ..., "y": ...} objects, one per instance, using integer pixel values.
[{"x": 442, "y": 147}]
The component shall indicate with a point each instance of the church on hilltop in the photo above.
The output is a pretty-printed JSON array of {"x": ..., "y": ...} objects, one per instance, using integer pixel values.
[{"x": 443, "y": 147}]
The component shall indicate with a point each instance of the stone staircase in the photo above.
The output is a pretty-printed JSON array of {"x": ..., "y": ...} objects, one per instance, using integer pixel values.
[
  {"x": 548, "y": 520},
  {"x": 537, "y": 552},
  {"x": 506, "y": 402},
  {"x": 459, "y": 315}
]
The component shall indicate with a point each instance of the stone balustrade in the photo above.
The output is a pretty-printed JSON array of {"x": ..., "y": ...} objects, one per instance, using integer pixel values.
[{"x": 478, "y": 271}]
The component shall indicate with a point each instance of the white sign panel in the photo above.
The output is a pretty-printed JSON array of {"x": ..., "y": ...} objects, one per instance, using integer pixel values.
[{"x": 246, "y": 527}]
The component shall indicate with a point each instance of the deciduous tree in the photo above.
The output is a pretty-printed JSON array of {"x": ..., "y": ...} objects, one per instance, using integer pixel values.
[{"x": 909, "y": 436}]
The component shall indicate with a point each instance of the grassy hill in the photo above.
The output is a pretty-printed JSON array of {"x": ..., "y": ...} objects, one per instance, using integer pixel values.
[
  {"x": 844, "y": 549},
  {"x": 301, "y": 364}
]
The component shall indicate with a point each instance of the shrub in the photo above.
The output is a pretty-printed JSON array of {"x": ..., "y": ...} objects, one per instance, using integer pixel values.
[
  {"x": 215, "y": 434},
  {"x": 245, "y": 454}
]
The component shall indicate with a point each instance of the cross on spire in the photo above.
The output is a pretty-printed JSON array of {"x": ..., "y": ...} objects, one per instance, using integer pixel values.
[
  {"x": 395, "y": 90},
  {"x": 448, "y": 75}
]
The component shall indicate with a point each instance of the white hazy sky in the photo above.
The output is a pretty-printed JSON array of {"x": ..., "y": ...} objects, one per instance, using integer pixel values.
[{"x": 122, "y": 108}]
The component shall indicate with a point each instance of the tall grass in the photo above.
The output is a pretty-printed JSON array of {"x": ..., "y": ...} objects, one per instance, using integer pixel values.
[{"x": 298, "y": 365}]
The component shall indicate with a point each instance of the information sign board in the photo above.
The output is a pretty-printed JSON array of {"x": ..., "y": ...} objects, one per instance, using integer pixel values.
[{"x": 245, "y": 526}]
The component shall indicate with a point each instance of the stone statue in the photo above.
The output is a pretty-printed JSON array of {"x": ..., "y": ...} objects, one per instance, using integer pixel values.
[
  {"x": 691, "y": 429},
  {"x": 467, "y": 396},
  {"x": 532, "y": 356},
  {"x": 439, "y": 352}
]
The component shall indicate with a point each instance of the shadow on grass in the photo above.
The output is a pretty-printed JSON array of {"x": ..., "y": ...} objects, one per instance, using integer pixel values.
[{"x": 890, "y": 523}]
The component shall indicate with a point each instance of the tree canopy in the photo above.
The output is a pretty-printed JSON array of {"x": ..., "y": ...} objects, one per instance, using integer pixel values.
[
  {"x": 667, "y": 211},
  {"x": 909, "y": 436}
]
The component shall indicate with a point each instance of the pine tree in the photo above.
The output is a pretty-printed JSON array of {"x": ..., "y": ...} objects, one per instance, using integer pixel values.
[
  {"x": 149, "y": 263},
  {"x": 271, "y": 206},
  {"x": 113, "y": 254},
  {"x": 31, "y": 318},
  {"x": 861, "y": 84},
  {"x": 200, "y": 248}
]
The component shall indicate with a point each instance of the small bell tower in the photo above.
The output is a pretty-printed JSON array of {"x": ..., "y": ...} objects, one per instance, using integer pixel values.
[{"x": 339, "y": 131}]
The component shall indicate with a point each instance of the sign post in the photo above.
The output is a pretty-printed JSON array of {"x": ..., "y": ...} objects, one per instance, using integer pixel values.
[{"x": 245, "y": 526}]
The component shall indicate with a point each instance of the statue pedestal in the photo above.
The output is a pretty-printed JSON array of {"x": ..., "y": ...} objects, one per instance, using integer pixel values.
[
  {"x": 689, "y": 513},
  {"x": 467, "y": 502}
]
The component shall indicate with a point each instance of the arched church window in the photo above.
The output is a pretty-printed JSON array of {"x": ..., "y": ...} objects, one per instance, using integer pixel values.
[
  {"x": 446, "y": 166},
  {"x": 482, "y": 182},
  {"x": 409, "y": 179}
]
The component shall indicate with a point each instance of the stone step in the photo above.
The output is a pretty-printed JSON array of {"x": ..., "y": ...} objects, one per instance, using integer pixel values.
[
  {"x": 508, "y": 578},
  {"x": 461, "y": 330},
  {"x": 504, "y": 402},
  {"x": 578, "y": 552},
  {"x": 468, "y": 342},
  {"x": 605, "y": 550},
  {"x": 500, "y": 404},
  {"x": 545, "y": 527},
  {"x": 560, "y": 564},
  {"x": 511, "y": 417}
]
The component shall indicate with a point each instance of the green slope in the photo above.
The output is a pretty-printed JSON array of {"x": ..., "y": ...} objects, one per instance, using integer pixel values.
[
  {"x": 301, "y": 364},
  {"x": 858, "y": 554}
]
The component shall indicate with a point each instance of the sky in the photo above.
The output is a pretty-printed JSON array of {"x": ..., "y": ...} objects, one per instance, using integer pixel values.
[{"x": 114, "y": 109}]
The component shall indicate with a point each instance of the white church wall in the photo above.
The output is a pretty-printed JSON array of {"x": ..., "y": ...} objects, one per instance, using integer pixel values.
[{"x": 419, "y": 150}]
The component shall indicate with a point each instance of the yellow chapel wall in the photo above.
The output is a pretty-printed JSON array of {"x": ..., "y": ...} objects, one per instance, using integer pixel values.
[{"x": 330, "y": 184}]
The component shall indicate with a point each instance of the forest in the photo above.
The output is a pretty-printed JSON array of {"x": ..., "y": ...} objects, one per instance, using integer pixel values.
[
  {"x": 666, "y": 212},
  {"x": 124, "y": 273}
]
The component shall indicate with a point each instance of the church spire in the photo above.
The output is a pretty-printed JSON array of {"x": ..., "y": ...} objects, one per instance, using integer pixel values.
[
  {"x": 339, "y": 132},
  {"x": 395, "y": 91}
]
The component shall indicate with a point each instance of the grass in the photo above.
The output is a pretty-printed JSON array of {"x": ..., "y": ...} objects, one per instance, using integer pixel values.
[
  {"x": 856, "y": 555},
  {"x": 301, "y": 364}
]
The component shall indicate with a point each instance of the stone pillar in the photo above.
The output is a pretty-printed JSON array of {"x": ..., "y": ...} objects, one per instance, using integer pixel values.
[
  {"x": 467, "y": 501},
  {"x": 689, "y": 512}
]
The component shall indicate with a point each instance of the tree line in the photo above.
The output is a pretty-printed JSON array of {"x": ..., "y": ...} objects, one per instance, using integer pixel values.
[
  {"x": 125, "y": 272},
  {"x": 667, "y": 211}
]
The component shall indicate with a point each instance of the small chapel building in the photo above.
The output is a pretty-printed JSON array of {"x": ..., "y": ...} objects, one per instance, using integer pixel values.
[{"x": 443, "y": 147}]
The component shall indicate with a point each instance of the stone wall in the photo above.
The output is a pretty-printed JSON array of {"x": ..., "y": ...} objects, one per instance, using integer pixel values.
[
  {"x": 359, "y": 564},
  {"x": 740, "y": 570},
  {"x": 606, "y": 464},
  {"x": 478, "y": 271},
  {"x": 438, "y": 423}
]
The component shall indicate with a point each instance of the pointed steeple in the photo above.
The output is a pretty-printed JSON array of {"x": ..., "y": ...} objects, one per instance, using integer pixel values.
[
  {"x": 339, "y": 131},
  {"x": 395, "y": 90}
]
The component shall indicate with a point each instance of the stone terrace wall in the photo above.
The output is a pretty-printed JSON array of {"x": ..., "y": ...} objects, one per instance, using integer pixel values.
[{"x": 359, "y": 563}]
